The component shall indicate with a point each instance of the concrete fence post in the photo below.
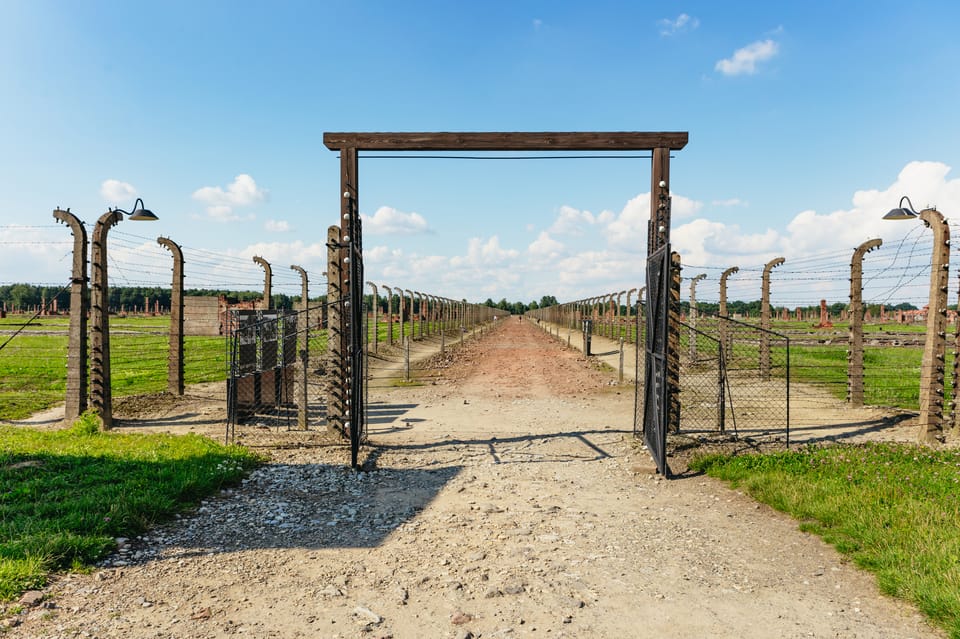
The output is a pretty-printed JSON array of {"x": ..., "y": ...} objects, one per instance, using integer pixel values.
[
  {"x": 724, "y": 328},
  {"x": 101, "y": 396},
  {"x": 855, "y": 354},
  {"x": 765, "y": 318},
  {"x": 693, "y": 314},
  {"x": 303, "y": 346},
  {"x": 77, "y": 374},
  {"x": 336, "y": 373},
  {"x": 267, "y": 281},
  {"x": 376, "y": 307},
  {"x": 932, "y": 368},
  {"x": 175, "y": 363}
]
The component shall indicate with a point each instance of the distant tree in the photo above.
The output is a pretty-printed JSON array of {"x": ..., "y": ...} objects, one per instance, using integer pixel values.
[{"x": 548, "y": 300}]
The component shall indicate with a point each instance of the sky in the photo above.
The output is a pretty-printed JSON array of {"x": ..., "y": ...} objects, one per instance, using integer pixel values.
[{"x": 807, "y": 122}]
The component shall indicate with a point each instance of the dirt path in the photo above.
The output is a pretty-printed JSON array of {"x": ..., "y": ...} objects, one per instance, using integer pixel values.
[{"x": 501, "y": 500}]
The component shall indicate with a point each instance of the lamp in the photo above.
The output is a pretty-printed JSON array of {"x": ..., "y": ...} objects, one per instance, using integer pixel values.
[
  {"x": 930, "y": 423},
  {"x": 901, "y": 213},
  {"x": 139, "y": 214},
  {"x": 101, "y": 396}
]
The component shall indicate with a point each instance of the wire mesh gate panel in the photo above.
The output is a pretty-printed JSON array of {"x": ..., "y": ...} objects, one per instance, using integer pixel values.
[
  {"x": 753, "y": 366},
  {"x": 703, "y": 381},
  {"x": 275, "y": 369},
  {"x": 656, "y": 392}
]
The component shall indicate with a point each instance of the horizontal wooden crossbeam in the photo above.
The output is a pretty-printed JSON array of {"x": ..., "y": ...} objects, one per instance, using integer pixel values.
[{"x": 508, "y": 141}]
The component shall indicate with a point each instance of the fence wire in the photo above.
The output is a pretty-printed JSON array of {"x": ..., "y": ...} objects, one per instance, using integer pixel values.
[{"x": 276, "y": 369}]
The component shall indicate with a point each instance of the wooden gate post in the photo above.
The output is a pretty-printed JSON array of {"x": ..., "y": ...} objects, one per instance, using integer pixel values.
[
  {"x": 673, "y": 342},
  {"x": 336, "y": 398},
  {"x": 77, "y": 374},
  {"x": 175, "y": 362},
  {"x": 855, "y": 354}
]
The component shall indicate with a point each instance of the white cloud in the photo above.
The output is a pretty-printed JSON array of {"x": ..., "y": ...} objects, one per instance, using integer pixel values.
[
  {"x": 545, "y": 247},
  {"x": 242, "y": 192},
  {"x": 705, "y": 242},
  {"x": 573, "y": 222},
  {"x": 480, "y": 253},
  {"x": 115, "y": 191},
  {"x": 744, "y": 61},
  {"x": 629, "y": 229},
  {"x": 389, "y": 221},
  {"x": 681, "y": 24},
  {"x": 733, "y": 201},
  {"x": 277, "y": 226}
]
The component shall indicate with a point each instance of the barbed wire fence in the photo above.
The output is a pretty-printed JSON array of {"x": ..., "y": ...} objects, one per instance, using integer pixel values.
[{"x": 894, "y": 284}]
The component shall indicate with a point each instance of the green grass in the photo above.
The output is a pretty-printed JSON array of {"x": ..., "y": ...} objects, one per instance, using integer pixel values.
[
  {"x": 33, "y": 365},
  {"x": 65, "y": 495},
  {"x": 893, "y": 509}
]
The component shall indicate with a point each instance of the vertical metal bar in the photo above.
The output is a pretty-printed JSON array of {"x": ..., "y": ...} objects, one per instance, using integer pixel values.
[{"x": 352, "y": 279}]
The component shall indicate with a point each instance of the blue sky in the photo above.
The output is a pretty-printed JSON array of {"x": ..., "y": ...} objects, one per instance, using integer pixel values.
[{"x": 807, "y": 121}]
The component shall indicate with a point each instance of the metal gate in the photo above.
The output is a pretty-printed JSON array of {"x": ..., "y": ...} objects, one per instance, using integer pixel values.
[
  {"x": 656, "y": 392},
  {"x": 275, "y": 369}
]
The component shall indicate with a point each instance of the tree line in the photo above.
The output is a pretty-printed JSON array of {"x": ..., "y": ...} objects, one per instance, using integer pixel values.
[{"x": 30, "y": 296}]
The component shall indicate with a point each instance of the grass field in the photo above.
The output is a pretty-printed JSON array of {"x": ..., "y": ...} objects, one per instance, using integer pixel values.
[
  {"x": 66, "y": 495},
  {"x": 33, "y": 365},
  {"x": 894, "y": 509}
]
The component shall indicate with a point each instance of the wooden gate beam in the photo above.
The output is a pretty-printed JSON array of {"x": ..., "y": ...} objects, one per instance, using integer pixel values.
[{"x": 508, "y": 141}]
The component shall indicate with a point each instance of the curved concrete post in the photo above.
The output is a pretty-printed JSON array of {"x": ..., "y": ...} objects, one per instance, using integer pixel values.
[
  {"x": 932, "y": 371},
  {"x": 725, "y": 342},
  {"x": 420, "y": 313},
  {"x": 101, "y": 397},
  {"x": 303, "y": 346},
  {"x": 376, "y": 308},
  {"x": 410, "y": 315},
  {"x": 175, "y": 362},
  {"x": 389, "y": 313},
  {"x": 693, "y": 314},
  {"x": 304, "y": 287},
  {"x": 855, "y": 354},
  {"x": 77, "y": 374},
  {"x": 267, "y": 281},
  {"x": 630, "y": 311},
  {"x": 723, "y": 288},
  {"x": 765, "y": 317}
]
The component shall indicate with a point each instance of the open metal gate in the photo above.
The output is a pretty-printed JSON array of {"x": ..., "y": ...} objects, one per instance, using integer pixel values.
[{"x": 656, "y": 392}]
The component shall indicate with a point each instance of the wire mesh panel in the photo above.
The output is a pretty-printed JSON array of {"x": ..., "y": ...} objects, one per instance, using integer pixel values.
[
  {"x": 276, "y": 373},
  {"x": 639, "y": 332},
  {"x": 702, "y": 381},
  {"x": 756, "y": 368}
]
